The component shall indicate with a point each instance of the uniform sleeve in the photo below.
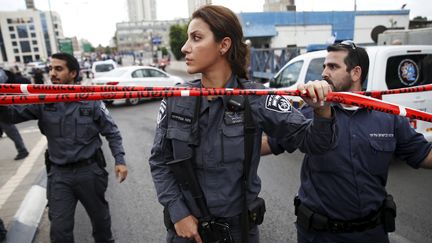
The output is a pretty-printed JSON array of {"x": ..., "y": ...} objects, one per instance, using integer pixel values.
[
  {"x": 411, "y": 146},
  {"x": 19, "y": 113},
  {"x": 168, "y": 192},
  {"x": 110, "y": 131},
  {"x": 288, "y": 129}
]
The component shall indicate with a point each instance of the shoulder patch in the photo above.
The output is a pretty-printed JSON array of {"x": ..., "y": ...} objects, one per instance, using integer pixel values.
[
  {"x": 162, "y": 112},
  {"x": 278, "y": 103},
  {"x": 103, "y": 108}
]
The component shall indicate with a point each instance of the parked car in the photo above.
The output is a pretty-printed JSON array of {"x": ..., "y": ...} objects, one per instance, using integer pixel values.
[
  {"x": 32, "y": 66},
  {"x": 101, "y": 67},
  {"x": 137, "y": 76},
  {"x": 391, "y": 67}
]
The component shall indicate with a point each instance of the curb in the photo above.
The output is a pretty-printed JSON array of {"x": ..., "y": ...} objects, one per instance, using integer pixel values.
[{"x": 26, "y": 220}]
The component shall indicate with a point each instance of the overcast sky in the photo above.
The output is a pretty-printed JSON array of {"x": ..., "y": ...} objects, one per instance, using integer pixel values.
[{"x": 95, "y": 20}]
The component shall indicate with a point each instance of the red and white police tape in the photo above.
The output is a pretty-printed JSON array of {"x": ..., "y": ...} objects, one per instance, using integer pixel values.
[
  {"x": 55, "y": 89},
  {"x": 71, "y": 93}
]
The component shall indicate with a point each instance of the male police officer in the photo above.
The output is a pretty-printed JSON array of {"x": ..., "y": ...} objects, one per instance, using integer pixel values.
[
  {"x": 74, "y": 155},
  {"x": 342, "y": 196}
]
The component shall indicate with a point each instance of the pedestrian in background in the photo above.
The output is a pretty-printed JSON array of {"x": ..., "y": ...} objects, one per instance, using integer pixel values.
[
  {"x": 342, "y": 195},
  {"x": 222, "y": 134},
  {"x": 9, "y": 128},
  {"x": 38, "y": 77},
  {"x": 75, "y": 162}
]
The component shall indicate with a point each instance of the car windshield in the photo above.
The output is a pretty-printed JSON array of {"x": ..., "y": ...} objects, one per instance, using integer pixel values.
[
  {"x": 104, "y": 67},
  {"x": 115, "y": 73}
]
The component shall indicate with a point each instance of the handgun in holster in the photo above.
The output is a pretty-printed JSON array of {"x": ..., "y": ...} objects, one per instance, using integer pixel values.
[
  {"x": 210, "y": 229},
  {"x": 47, "y": 161},
  {"x": 100, "y": 158},
  {"x": 388, "y": 214}
]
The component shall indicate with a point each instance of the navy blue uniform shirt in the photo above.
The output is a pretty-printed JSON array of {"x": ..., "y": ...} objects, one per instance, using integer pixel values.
[
  {"x": 348, "y": 182},
  {"x": 72, "y": 129},
  {"x": 219, "y": 153}
]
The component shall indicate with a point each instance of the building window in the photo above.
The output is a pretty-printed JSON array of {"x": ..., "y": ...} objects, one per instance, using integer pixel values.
[
  {"x": 16, "y": 50},
  {"x": 13, "y": 36},
  {"x": 22, "y": 31},
  {"x": 9, "y": 21},
  {"x": 37, "y": 57},
  {"x": 27, "y": 59},
  {"x": 34, "y": 42},
  {"x": 33, "y": 35},
  {"x": 31, "y": 27},
  {"x": 57, "y": 33},
  {"x": 17, "y": 59},
  {"x": 14, "y": 43},
  {"x": 35, "y": 49},
  {"x": 25, "y": 46},
  {"x": 55, "y": 26},
  {"x": 11, "y": 28}
]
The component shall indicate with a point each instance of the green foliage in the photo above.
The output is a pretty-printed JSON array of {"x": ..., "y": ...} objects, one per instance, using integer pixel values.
[
  {"x": 178, "y": 36},
  {"x": 163, "y": 49}
]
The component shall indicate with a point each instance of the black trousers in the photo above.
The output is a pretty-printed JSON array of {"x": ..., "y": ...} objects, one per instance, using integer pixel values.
[
  {"x": 13, "y": 133},
  {"x": 67, "y": 186}
]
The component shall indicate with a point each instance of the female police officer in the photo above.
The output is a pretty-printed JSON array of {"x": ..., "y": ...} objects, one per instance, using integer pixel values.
[{"x": 211, "y": 130}]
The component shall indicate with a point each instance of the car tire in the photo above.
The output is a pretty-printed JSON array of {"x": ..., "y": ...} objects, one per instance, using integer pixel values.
[
  {"x": 133, "y": 101},
  {"x": 108, "y": 102}
]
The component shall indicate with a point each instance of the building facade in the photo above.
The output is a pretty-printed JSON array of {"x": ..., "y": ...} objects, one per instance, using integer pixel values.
[
  {"x": 195, "y": 4},
  {"x": 136, "y": 38},
  {"x": 279, "y": 5},
  {"x": 282, "y": 29},
  {"x": 28, "y": 35},
  {"x": 140, "y": 10}
]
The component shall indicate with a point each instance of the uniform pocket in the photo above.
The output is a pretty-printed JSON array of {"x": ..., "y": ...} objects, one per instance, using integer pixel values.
[
  {"x": 86, "y": 129},
  {"x": 51, "y": 126},
  {"x": 382, "y": 150},
  {"x": 232, "y": 144}
]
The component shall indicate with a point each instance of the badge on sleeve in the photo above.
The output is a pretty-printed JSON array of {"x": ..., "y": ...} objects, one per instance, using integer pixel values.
[
  {"x": 103, "y": 108},
  {"x": 278, "y": 103},
  {"x": 162, "y": 112}
]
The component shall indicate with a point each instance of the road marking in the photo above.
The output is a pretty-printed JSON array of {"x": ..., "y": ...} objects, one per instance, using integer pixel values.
[
  {"x": 29, "y": 130},
  {"x": 395, "y": 238},
  {"x": 9, "y": 187}
]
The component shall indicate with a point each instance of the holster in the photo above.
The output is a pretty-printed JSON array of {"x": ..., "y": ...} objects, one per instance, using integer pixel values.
[
  {"x": 257, "y": 210},
  {"x": 47, "y": 161},
  {"x": 388, "y": 214},
  {"x": 100, "y": 158},
  {"x": 210, "y": 231}
]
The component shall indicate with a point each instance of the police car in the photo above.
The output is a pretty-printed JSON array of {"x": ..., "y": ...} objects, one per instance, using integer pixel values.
[{"x": 391, "y": 67}]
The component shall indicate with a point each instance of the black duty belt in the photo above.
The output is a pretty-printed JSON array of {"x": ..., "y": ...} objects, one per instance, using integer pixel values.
[
  {"x": 78, "y": 164},
  {"x": 311, "y": 220}
]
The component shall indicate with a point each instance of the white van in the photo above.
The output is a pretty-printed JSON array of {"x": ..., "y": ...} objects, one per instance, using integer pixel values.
[
  {"x": 101, "y": 67},
  {"x": 391, "y": 67}
]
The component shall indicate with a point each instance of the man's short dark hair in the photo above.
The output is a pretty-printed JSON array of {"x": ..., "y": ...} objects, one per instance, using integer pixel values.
[
  {"x": 71, "y": 62},
  {"x": 357, "y": 56}
]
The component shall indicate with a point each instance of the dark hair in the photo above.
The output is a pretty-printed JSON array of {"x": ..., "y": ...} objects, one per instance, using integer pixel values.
[
  {"x": 224, "y": 23},
  {"x": 357, "y": 56},
  {"x": 71, "y": 62}
]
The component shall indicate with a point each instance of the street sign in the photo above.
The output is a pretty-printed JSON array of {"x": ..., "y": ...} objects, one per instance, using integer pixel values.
[
  {"x": 156, "y": 40},
  {"x": 65, "y": 45}
]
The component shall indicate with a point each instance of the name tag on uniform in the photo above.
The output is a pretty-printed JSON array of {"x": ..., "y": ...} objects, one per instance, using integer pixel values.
[
  {"x": 181, "y": 118},
  {"x": 86, "y": 111},
  {"x": 50, "y": 107},
  {"x": 232, "y": 118}
]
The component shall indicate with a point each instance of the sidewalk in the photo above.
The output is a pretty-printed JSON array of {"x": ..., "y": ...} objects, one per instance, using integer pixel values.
[{"x": 22, "y": 184}]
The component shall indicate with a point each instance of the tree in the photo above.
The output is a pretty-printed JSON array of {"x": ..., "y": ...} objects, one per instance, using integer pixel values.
[
  {"x": 178, "y": 36},
  {"x": 420, "y": 18}
]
